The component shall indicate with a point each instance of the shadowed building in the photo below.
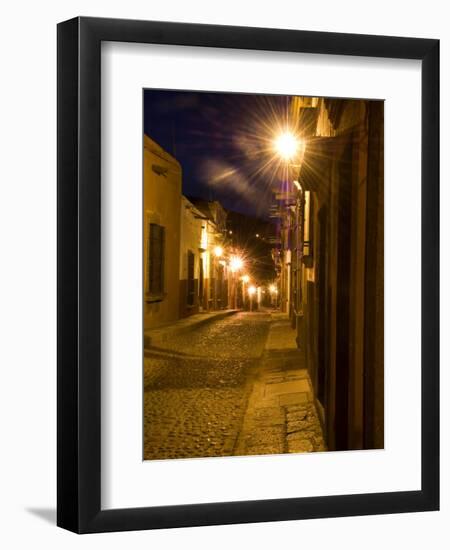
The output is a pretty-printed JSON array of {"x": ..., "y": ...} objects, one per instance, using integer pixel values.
[{"x": 330, "y": 262}]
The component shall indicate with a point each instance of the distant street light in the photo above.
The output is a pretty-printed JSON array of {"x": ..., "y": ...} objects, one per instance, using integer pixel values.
[
  {"x": 217, "y": 292},
  {"x": 236, "y": 263},
  {"x": 251, "y": 292},
  {"x": 245, "y": 280},
  {"x": 287, "y": 145},
  {"x": 273, "y": 294}
]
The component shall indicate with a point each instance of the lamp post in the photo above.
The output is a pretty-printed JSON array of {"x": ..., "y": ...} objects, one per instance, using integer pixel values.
[
  {"x": 273, "y": 293},
  {"x": 236, "y": 264},
  {"x": 290, "y": 147},
  {"x": 218, "y": 253},
  {"x": 251, "y": 293},
  {"x": 245, "y": 280}
]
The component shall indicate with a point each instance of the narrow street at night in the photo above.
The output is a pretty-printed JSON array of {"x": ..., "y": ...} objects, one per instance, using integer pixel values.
[
  {"x": 263, "y": 263},
  {"x": 225, "y": 389}
]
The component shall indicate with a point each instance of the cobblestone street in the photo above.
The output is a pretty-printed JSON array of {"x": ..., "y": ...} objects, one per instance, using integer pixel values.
[
  {"x": 206, "y": 392},
  {"x": 197, "y": 385}
]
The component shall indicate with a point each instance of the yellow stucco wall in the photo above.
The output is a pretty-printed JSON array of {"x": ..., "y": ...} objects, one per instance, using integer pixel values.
[
  {"x": 191, "y": 224},
  {"x": 162, "y": 205}
]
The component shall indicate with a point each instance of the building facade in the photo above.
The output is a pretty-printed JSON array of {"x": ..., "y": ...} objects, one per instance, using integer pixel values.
[
  {"x": 185, "y": 267},
  {"x": 191, "y": 260},
  {"x": 213, "y": 269},
  {"x": 161, "y": 232},
  {"x": 330, "y": 262}
]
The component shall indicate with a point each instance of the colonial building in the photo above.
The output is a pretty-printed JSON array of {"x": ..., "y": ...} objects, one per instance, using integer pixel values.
[
  {"x": 185, "y": 268},
  {"x": 191, "y": 260},
  {"x": 213, "y": 272},
  {"x": 330, "y": 262},
  {"x": 162, "y": 210}
]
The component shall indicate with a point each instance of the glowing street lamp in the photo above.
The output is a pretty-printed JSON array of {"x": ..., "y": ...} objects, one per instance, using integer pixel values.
[
  {"x": 236, "y": 263},
  {"x": 273, "y": 293},
  {"x": 217, "y": 292},
  {"x": 251, "y": 292},
  {"x": 245, "y": 280},
  {"x": 287, "y": 144}
]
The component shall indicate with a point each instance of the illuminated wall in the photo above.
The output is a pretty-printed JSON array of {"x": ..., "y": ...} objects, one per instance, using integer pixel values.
[{"x": 162, "y": 206}]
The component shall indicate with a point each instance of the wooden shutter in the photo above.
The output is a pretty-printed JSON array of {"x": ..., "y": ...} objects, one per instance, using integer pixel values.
[
  {"x": 156, "y": 244},
  {"x": 190, "y": 277}
]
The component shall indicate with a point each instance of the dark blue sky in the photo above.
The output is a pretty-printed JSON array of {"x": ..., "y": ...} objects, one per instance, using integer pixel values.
[{"x": 221, "y": 141}]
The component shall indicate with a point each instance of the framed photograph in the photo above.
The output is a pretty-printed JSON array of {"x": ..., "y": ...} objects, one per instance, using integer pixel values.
[{"x": 248, "y": 288}]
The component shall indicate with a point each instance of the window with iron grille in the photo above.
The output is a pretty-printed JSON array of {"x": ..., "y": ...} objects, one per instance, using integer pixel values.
[
  {"x": 190, "y": 278},
  {"x": 155, "y": 265}
]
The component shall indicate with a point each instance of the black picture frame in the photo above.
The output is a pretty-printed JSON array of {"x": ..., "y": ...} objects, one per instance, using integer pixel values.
[{"x": 79, "y": 280}]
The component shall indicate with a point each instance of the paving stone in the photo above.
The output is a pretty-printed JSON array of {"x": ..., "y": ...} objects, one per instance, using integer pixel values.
[
  {"x": 300, "y": 446},
  {"x": 293, "y": 398},
  {"x": 265, "y": 450},
  {"x": 296, "y": 408},
  {"x": 296, "y": 374},
  {"x": 287, "y": 387},
  {"x": 296, "y": 416},
  {"x": 300, "y": 425}
]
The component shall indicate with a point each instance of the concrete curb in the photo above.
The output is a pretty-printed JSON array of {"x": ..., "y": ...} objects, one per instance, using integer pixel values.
[{"x": 159, "y": 335}]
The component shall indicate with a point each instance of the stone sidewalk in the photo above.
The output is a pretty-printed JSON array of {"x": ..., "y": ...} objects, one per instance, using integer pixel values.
[{"x": 281, "y": 416}]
